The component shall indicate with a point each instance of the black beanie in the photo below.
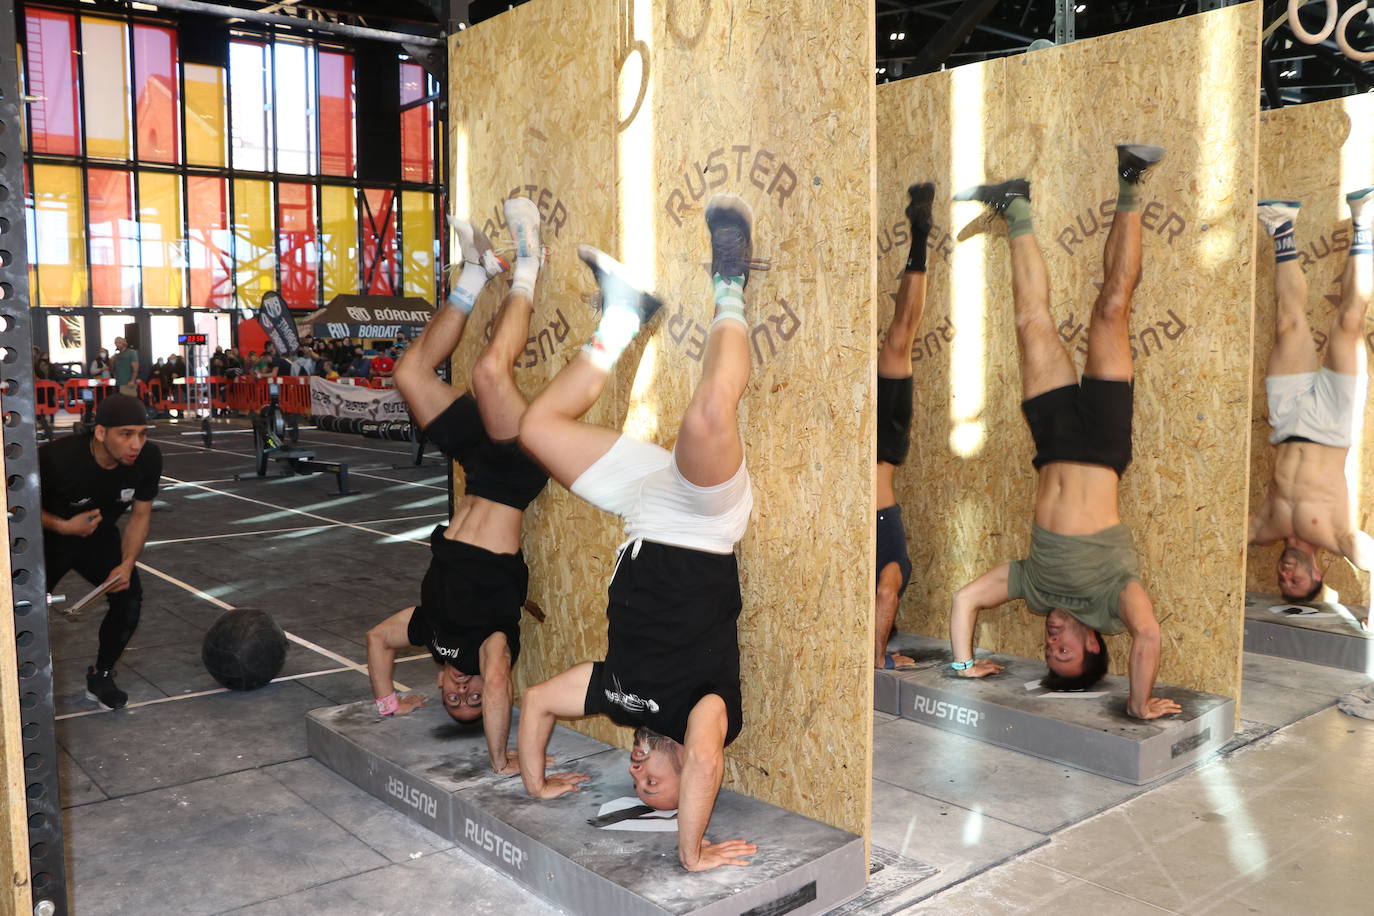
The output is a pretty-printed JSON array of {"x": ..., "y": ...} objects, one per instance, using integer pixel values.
[{"x": 120, "y": 410}]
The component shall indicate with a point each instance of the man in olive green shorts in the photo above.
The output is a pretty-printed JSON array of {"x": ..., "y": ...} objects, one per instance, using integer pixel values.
[{"x": 1082, "y": 573}]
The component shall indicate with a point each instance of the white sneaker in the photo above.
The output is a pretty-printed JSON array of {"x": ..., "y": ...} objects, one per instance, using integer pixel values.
[
  {"x": 1275, "y": 214},
  {"x": 476, "y": 247},
  {"x": 1358, "y": 200},
  {"x": 522, "y": 219}
]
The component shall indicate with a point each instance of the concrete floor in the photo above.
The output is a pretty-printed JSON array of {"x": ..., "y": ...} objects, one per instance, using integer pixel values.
[{"x": 196, "y": 800}]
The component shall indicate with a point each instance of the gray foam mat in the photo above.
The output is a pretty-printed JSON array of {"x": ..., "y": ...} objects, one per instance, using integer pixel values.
[
  {"x": 1319, "y": 633},
  {"x": 1090, "y": 731},
  {"x": 437, "y": 773}
]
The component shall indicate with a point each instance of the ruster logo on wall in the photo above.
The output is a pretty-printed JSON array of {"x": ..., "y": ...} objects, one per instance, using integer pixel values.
[
  {"x": 553, "y": 215},
  {"x": 897, "y": 237},
  {"x": 690, "y": 334},
  {"x": 1144, "y": 342},
  {"x": 1324, "y": 246},
  {"x": 542, "y": 344},
  {"x": 932, "y": 343},
  {"x": 761, "y": 168},
  {"x": 1155, "y": 217},
  {"x": 740, "y": 167},
  {"x": 1310, "y": 255}
]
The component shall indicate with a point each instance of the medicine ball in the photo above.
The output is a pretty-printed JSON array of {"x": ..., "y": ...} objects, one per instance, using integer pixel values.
[{"x": 244, "y": 649}]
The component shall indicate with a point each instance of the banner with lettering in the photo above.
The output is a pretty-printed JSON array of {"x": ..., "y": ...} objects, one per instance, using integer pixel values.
[
  {"x": 336, "y": 399},
  {"x": 275, "y": 319}
]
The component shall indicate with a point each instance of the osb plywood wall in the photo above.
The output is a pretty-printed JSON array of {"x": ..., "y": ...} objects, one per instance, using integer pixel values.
[
  {"x": 1054, "y": 117},
  {"x": 630, "y": 115},
  {"x": 1315, "y": 154}
]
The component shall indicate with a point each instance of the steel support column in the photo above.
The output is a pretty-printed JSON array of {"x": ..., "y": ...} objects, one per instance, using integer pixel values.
[
  {"x": 1065, "y": 21},
  {"x": 48, "y": 871}
]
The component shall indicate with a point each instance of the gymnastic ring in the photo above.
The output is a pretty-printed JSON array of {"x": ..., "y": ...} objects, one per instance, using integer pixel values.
[
  {"x": 643, "y": 50},
  {"x": 1350, "y": 51},
  {"x": 1306, "y": 37}
]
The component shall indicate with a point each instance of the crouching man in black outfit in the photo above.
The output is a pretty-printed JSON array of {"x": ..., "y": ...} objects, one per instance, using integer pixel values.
[
  {"x": 470, "y": 600},
  {"x": 88, "y": 482}
]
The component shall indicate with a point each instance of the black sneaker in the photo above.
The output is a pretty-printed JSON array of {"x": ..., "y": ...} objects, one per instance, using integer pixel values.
[
  {"x": 997, "y": 196},
  {"x": 732, "y": 244},
  {"x": 920, "y": 197},
  {"x": 615, "y": 287},
  {"x": 100, "y": 686},
  {"x": 1132, "y": 159}
]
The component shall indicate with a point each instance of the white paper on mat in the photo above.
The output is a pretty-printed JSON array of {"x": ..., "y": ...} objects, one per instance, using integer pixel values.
[
  {"x": 653, "y": 822},
  {"x": 1065, "y": 694},
  {"x": 1300, "y": 610}
]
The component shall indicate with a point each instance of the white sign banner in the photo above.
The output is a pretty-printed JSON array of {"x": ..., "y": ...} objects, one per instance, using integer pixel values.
[{"x": 333, "y": 399}]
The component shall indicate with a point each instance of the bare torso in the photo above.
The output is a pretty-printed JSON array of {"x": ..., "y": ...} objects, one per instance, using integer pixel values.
[
  {"x": 1308, "y": 499},
  {"x": 1073, "y": 498},
  {"x": 490, "y": 525},
  {"x": 884, "y": 492}
]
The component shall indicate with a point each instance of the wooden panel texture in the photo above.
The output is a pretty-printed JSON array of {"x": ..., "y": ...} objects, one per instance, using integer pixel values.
[
  {"x": 1313, "y": 153},
  {"x": 1054, "y": 117},
  {"x": 630, "y": 115}
]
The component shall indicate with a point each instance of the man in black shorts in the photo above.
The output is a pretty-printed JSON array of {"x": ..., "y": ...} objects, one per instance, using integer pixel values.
[
  {"x": 1082, "y": 573},
  {"x": 88, "y": 481},
  {"x": 894, "y": 427},
  {"x": 672, "y": 662},
  {"x": 474, "y": 589}
]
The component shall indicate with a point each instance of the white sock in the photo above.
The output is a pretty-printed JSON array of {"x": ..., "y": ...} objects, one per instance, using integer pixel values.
[
  {"x": 525, "y": 275},
  {"x": 468, "y": 287},
  {"x": 618, "y": 327}
]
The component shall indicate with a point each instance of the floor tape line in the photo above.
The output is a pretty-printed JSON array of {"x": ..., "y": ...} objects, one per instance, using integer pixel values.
[
  {"x": 241, "y": 534},
  {"x": 356, "y": 473},
  {"x": 323, "y": 518},
  {"x": 206, "y": 693},
  {"x": 300, "y": 641}
]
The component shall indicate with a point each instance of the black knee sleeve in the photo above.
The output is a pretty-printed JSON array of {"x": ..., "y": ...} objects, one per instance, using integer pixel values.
[
  {"x": 120, "y": 622},
  {"x": 894, "y": 419}
]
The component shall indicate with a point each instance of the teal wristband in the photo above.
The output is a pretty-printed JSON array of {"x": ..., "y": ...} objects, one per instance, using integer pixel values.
[{"x": 961, "y": 666}]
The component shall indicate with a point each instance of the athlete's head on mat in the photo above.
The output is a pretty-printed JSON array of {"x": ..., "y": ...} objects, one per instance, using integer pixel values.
[
  {"x": 656, "y": 767},
  {"x": 1074, "y": 652},
  {"x": 1300, "y": 579},
  {"x": 461, "y": 694}
]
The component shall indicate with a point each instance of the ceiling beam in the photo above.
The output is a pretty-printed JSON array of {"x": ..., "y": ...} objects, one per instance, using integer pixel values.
[{"x": 956, "y": 29}]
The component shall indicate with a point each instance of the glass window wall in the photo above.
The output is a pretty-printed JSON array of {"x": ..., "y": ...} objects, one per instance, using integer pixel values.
[
  {"x": 157, "y": 182},
  {"x": 157, "y": 95},
  {"x": 105, "y": 51}
]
